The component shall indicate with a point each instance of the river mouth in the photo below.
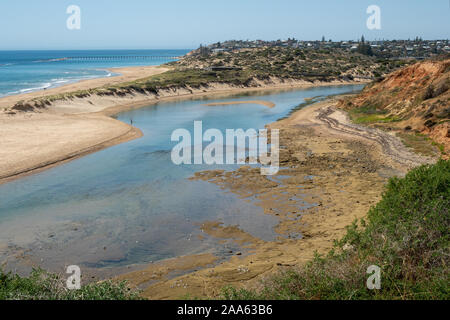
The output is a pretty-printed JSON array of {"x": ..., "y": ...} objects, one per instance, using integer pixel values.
[{"x": 129, "y": 204}]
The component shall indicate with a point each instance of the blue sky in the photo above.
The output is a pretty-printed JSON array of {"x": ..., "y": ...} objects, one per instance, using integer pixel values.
[{"x": 149, "y": 24}]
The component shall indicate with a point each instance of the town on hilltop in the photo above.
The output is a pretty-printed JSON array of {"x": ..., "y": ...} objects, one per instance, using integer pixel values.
[{"x": 395, "y": 49}]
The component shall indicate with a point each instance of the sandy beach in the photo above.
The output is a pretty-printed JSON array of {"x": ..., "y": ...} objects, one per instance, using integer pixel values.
[
  {"x": 34, "y": 141},
  {"x": 30, "y": 143}
]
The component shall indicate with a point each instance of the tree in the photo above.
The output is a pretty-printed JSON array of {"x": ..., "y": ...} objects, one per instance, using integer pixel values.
[
  {"x": 204, "y": 50},
  {"x": 364, "y": 48}
]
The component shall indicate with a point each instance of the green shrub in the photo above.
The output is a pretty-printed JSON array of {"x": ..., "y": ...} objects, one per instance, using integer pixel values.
[{"x": 41, "y": 285}]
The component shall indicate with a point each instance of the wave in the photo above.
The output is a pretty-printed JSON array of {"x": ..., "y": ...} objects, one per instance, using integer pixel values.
[
  {"x": 32, "y": 89},
  {"x": 61, "y": 81},
  {"x": 45, "y": 86},
  {"x": 65, "y": 78},
  {"x": 50, "y": 60}
]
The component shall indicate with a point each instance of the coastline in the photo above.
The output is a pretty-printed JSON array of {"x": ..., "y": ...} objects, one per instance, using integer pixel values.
[
  {"x": 124, "y": 75},
  {"x": 93, "y": 118}
]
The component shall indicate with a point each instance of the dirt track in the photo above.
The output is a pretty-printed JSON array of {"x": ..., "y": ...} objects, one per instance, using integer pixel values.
[{"x": 391, "y": 146}]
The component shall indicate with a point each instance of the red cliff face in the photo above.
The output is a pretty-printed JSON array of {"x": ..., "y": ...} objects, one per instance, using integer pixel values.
[{"x": 417, "y": 96}]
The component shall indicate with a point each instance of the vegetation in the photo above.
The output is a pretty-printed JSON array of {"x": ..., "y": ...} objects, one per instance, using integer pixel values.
[
  {"x": 418, "y": 94},
  {"x": 41, "y": 285},
  {"x": 406, "y": 234},
  {"x": 420, "y": 143},
  {"x": 242, "y": 67},
  {"x": 364, "y": 48},
  {"x": 375, "y": 119},
  {"x": 371, "y": 113},
  {"x": 286, "y": 62}
]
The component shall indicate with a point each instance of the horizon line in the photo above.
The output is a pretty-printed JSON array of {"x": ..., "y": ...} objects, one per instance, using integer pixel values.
[{"x": 162, "y": 48}]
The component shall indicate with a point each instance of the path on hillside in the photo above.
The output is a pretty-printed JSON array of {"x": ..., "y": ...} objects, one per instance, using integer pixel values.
[
  {"x": 326, "y": 117},
  {"x": 391, "y": 145}
]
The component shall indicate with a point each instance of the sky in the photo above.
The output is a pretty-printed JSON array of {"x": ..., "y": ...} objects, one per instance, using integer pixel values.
[{"x": 185, "y": 24}]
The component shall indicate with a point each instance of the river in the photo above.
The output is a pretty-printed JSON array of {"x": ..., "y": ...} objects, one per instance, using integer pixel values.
[{"x": 129, "y": 204}]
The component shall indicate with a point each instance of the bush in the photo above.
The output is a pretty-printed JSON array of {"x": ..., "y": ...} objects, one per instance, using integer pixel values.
[
  {"x": 429, "y": 92},
  {"x": 41, "y": 285}
]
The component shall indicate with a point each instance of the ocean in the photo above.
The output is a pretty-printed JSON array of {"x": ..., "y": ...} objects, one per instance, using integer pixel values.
[{"x": 28, "y": 71}]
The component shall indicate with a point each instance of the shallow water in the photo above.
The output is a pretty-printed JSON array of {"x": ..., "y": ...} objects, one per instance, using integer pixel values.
[{"x": 129, "y": 204}]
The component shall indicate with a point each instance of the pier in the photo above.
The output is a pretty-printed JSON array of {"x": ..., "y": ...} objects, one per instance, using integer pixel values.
[{"x": 118, "y": 58}]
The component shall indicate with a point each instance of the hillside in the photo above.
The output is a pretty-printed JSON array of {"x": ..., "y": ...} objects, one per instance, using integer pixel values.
[
  {"x": 413, "y": 101},
  {"x": 285, "y": 62}
]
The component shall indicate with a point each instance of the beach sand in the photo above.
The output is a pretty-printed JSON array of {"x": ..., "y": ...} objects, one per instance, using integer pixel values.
[{"x": 33, "y": 142}]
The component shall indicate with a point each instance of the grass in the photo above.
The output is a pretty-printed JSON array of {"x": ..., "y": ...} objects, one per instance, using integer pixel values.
[
  {"x": 371, "y": 113},
  {"x": 189, "y": 77},
  {"x": 41, "y": 285},
  {"x": 440, "y": 146},
  {"x": 406, "y": 234},
  {"x": 373, "y": 118},
  {"x": 420, "y": 143}
]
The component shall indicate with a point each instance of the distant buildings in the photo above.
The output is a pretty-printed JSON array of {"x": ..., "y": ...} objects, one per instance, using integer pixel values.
[{"x": 416, "y": 48}]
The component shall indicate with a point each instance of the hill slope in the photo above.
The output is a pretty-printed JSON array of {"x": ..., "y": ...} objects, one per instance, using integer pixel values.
[{"x": 415, "y": 98}]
